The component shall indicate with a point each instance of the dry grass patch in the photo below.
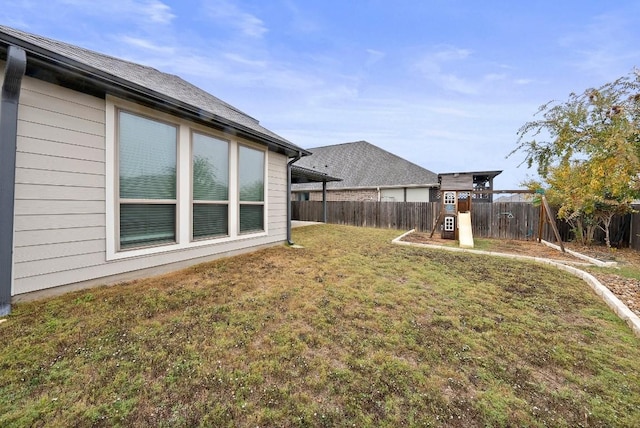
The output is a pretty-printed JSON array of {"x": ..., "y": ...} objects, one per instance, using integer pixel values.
[{"x": 350, "y": 330}]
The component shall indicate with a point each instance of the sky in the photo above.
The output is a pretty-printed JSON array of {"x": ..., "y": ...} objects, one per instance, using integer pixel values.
[{"x": 445, "y": 84}]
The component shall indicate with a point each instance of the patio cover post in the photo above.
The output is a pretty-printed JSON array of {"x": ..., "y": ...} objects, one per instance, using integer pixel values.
[{"x": 324, "y": 201}]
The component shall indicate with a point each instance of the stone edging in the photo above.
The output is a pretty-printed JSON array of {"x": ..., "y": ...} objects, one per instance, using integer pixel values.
[
  {"x": 580, "y": 256},
  {"x": 609, "y": 298}
]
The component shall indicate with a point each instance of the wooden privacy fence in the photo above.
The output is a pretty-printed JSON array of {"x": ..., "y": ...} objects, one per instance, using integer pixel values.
[{"x": 503, "y": 220}]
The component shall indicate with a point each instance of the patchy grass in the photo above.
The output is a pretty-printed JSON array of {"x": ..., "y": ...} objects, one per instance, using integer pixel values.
[{"x": 349, "y": 331}]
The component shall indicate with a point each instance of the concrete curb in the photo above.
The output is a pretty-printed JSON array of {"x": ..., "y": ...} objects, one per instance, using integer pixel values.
[
  {"x": 580, "y": 256},
  {"x": 620, "y": 309}
]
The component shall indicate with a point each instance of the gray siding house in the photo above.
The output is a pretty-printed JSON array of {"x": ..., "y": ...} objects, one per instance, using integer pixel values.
[
  {"x": 368, "y": 173},
  {"x": 122, "y": 170}
]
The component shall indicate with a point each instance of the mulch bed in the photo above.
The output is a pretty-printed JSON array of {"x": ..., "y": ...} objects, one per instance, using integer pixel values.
[{"x": 626, "y": 289}]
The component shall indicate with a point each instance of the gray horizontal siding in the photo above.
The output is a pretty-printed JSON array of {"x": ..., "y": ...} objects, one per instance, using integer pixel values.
[
  {"x": 56, "y": 193},
  {"x": 58, "y": 178},
  {"x": 48, "y": 207},
  {"x": 60, "y": 182},
  {"x": 61, "y": 150},
  {"x": 27, "y": 238},
  {"x": 60, "y": 120},
  {"x": 277, "y": 196},
  {"x": 55, "y": 251},
  {"x": 45, "y": 97},
  {"x": 53, "y": 163},
  {"x": 60, "y": 221},
  {"x": 38, "y": 131},
  {"x": 58, "y": 264}
]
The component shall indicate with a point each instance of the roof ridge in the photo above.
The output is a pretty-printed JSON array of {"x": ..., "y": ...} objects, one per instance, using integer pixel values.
[{"x": 371, "y": 146}]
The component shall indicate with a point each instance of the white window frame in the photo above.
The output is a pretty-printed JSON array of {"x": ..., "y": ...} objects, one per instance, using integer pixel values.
[
  {"x": 262, "y": 203},
  {"x": 449, "y": 198},
  {"x": 184, "y": 193},
  {"x": 194, "y": 202},
  {"x": 449, "y": 223}
]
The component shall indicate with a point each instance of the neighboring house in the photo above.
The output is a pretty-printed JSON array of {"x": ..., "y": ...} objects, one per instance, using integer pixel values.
[
  {"x": 123, "y": 170},
  {"x": 368, "y": 173},
  {"x": 519, "y": 197}
]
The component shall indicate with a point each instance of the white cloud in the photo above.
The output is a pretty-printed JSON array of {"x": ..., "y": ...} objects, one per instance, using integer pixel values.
[
  {"x": 157, "y": 12},
  {"x": 493, "y": 77},
  {"x": 301, "y": 21},
  {"x": 601, "y": 48},
  {"x": 227, "y": 13},
  {"x": 374, "y": 56},
  {"x": 151, "y": 11},
  {"x": 147, "y": 45},
  {"x": 523, "y": 81},
  {"x": 434, "y": 67},
  {"x": 243, "y": 61},
  {"x": 451, "y": 54}
]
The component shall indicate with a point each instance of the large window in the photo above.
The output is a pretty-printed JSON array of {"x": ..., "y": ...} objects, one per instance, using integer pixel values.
[
  {"x": 210, "y": 164},
  {"x": 251, "y": 185},
  {"x": 147, "y": 178},
  {"x": 173, "y": 184}
]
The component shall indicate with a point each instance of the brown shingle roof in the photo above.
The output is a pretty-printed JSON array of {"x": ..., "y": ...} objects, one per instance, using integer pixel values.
[{"x": 362, "y": 165}]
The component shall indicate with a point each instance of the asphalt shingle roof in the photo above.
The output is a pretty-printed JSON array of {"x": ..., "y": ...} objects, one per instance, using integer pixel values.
[
  {"x": 136, "y": 77},
  {"x": 361, "y": 164}
]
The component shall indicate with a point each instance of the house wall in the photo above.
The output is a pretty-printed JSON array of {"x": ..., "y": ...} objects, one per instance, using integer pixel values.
[
  {"x": 392, "y": 195},
  {"x": 418, "y": 194},
  {"x": 345, "y": 195},
  {"x": 60, "y": 208},
  {"x": 412, "y": 194}
]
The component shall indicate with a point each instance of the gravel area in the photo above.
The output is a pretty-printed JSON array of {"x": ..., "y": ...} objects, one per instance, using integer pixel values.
[{"x": 626, "y": 289}]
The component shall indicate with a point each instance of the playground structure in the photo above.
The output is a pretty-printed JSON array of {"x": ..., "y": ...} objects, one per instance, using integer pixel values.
[
  {"x": 459, "y": 190},
  {"x": 458, "y": 225}
]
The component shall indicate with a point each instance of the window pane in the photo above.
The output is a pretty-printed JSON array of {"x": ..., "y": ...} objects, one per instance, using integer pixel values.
[
  {"x": 210, "y": 168},
  {"x": 210, "y": 220},
  {"x": 147, "y": 158},
  {"x": 251, "y": 218},
  {"x": 251, "y": 166},
  {"x": 147, "y": 224}
]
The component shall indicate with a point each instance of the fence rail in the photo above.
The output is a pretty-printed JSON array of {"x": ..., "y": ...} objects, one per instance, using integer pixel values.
[{"x": 504, "y": 220}]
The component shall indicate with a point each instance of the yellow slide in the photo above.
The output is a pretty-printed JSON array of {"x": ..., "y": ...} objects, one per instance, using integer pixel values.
[{"x": 465, "y": 233}]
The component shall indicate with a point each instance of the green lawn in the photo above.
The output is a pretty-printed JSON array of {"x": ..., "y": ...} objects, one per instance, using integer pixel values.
[{"x": 349, "y": 331}]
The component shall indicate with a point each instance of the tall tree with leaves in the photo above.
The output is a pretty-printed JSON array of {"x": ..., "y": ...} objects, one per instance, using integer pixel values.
[{"x": 587, "y": 150}]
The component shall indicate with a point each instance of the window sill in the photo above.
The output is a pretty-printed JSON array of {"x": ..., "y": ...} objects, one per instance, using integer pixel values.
[{"x": 161, "y": 249}]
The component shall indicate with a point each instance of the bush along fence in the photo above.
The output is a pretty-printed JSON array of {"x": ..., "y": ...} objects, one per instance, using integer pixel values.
[{"x": 502, "y": 220}]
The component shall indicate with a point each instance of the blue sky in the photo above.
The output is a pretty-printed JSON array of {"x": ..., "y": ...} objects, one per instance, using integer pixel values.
[{"x": 443, "y": 83}]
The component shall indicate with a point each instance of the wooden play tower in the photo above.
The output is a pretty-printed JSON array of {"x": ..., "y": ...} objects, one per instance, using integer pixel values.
[{"x": 459, "y": 191}]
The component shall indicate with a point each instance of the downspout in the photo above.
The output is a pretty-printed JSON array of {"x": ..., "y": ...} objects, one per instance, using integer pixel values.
[
  {"x": 14, "y": 71},
  {"x": 291, "y": 162}
]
